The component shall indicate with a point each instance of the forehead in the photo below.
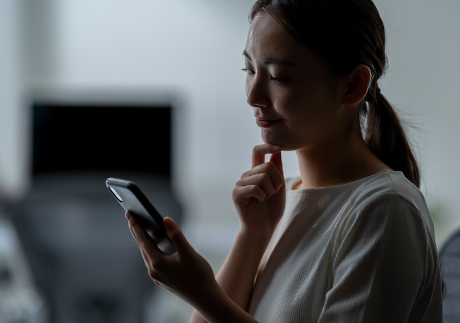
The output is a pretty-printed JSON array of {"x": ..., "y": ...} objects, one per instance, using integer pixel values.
[{"x": 268, "y": 37}]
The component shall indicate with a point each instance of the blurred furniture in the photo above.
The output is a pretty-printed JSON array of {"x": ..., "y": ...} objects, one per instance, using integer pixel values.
[
  {"x": 19, "y": 300},
  {"x": 450, "y": 256},
  {"x": 74, "y": 233}
]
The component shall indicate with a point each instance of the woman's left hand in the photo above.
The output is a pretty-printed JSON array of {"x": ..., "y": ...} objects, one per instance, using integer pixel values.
[{"x": 185, "y": 272}]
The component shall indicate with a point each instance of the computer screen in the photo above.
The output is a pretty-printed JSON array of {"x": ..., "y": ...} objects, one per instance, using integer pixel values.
[{"x": 71, "y": 137}]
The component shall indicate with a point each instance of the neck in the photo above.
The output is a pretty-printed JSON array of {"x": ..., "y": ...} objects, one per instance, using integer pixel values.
[{"x": 341, "y": 161}]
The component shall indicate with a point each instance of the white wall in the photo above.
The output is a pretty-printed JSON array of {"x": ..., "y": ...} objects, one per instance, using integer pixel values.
[
  {"x": 11, "y": 88},
  {"x": 193, "y": 48},
  {"x": 189, "y": 47}
]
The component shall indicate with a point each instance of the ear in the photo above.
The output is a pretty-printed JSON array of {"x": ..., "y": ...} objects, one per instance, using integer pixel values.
[{"x": 357, "y": 85}]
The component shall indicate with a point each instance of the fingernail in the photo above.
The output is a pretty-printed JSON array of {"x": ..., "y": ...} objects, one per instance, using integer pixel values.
[
  {"x": 127, "y": 216},
  {"x": 276, "y": 147}
]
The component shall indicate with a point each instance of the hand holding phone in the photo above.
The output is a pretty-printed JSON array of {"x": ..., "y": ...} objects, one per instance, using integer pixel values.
[{"x": 133, "y": 200}]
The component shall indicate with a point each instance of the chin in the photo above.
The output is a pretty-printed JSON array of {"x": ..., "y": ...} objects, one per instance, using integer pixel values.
[
  {"x": 270, "y": 141},
  {"x": 276, "y": 142},
  {"x": 285, "y": 146},
  {"x": 267, "y": 136}
]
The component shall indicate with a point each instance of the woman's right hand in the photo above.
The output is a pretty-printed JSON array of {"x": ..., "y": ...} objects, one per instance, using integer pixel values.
[{"x": 260, "y": 195}]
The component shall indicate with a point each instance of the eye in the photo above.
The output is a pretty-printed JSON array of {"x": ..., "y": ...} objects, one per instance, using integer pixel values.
[
  {"x": 279, "y": 80},
  {"x": 246, "y": 70}
]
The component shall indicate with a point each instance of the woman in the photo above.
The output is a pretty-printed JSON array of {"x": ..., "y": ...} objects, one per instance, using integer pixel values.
[{"x": 351, "y": 239}]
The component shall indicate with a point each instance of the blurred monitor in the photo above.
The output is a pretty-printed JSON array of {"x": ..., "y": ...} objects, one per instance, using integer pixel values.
[{"x": 86, "y": 137}]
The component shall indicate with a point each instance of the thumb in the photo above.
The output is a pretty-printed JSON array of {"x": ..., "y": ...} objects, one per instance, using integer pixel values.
[
  {"x": 174, "y": 233},
  {"x": 275, "y": 158}
]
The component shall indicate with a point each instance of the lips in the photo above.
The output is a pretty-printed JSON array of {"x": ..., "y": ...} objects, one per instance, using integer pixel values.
[{"x": 265, "y": 123}]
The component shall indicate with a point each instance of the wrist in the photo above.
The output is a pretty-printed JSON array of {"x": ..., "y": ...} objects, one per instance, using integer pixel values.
[
  {"x": 219, "y": 307},
  {"x": 206, "y": 296},
  {"x": 260, "y": 238}
]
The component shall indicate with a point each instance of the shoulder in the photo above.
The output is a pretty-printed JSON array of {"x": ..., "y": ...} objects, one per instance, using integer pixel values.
[
  {"x": 384, "y": 190},
  {"x": 387, "y": 183},
  {"x": 387, "y": 200},
  {"x": 383, "y": 240}
]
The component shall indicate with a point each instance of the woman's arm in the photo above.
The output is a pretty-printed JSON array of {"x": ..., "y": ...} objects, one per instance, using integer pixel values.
[
  {"x": 259, "y": 198},
  {"x": 186, "y": 274},
  {"x": 237, "y": 275}
]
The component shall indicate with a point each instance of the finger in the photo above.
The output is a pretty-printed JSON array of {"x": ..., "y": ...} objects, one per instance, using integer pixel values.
[
  {"x": 178, "y": 239},
  {"x": 262, "y": 181},
  {"x": 146, "y": 258},
  {"x": 150, "y": 265},
  {"x": 142, "y": 238},
  {"x": 248, "y": 192},
  {"x": 277, "y": 161},
  {"x": 270, "y": 169},
  {"x": 259, "y": 152}
]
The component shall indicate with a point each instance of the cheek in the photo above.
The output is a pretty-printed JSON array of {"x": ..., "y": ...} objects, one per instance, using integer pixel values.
[
  {"x": 301, "y": 113},
  {"x": 291, "y": 105}
]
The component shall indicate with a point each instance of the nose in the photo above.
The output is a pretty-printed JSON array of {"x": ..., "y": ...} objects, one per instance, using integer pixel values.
[{"x": 256, "y": 91}]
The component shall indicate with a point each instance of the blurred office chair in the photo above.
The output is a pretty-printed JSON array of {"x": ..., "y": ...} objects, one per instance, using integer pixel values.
[
  {"x": 74, "y": 233},
  {"x": 450, "y": 256},
  {"x": 19, "y": 300}
]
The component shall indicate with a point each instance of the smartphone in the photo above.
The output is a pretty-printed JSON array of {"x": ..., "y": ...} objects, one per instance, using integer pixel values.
[{"x": 131, "y": 198}]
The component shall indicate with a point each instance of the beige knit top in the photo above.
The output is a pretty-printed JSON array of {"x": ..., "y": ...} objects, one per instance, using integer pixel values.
[{"x": 359, "y": 252}]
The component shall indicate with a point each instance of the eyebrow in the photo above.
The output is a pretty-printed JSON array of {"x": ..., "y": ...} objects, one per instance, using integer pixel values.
[{"x": 271, "y": 61}]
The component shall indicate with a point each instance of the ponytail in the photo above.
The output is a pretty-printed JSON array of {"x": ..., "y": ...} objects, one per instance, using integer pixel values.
[{"x": 385, "y": 136}]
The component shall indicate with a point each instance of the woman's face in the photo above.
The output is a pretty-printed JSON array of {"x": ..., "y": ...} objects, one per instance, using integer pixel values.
[{"x": 294, "y": 96}]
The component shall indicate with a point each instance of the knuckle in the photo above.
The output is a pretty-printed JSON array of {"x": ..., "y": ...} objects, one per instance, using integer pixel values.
[
  {"x": 155, "y": 267},
  {"x": 253, "y": 188},
  {"x": 235, "y": 192},
  {"x": 263, "y": 177},
  {"x": 152, "y": 273},
  {"x": 153, "y": 263},
  {"x": 244, "y": 175},
  {"x": 256, "y": 191},
  {"x": 265, "y": 167},
  {"x": 239, "y": 183},
  {"x": 264, "y": 180}
]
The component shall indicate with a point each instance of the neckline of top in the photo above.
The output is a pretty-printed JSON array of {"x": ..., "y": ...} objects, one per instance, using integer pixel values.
[{"x": 340, "y": 186}]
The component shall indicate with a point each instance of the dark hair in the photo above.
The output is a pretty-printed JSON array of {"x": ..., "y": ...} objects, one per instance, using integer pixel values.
[{"x": 347, "y": 33}]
